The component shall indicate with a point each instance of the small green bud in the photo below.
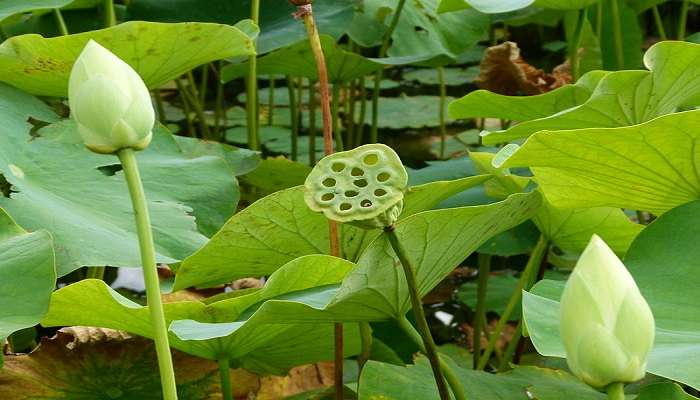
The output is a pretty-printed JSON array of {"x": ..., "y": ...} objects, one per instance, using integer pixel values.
[
  {"x": 606, "y": 325},
  {"x": 363, "y": 186},
  {"x": 109, "y": 102}
]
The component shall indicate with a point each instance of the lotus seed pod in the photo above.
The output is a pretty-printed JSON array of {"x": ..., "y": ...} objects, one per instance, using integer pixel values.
[
  {"x": 300, "y": 2},
  {"x": 363, "y": 186},
  {"x": 109, "y": 102},
  {"x": 606, "y": 326}
]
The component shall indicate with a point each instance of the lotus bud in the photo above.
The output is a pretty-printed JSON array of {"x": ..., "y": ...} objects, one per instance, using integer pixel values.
[
  {"x": 607, "y": 327},
  {"x": 109, "y": 102},
  {"x": 364, "y": 186}
]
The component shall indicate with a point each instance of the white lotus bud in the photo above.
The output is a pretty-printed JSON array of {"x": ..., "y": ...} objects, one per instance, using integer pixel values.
[
  {"x": 109, "y": 102},
  {"x": 607, "y": 327}
]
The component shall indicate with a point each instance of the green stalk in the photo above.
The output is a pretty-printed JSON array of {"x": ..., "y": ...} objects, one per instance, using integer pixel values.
[
  {"x": 374, "y": 133},
  {"x": 186, "y": 107},
  {"x": 150, "y": 273},
  {"x": 225, "y": 376},
  {"x": 294, "y": 116},
  {"x": 575, "y": 44},
  {"x": 203, "y": 84},
  {"x": 312, "y": 124},
  {"x": 110, "y": 16},
  {"x": 160, "y": 107},
  {"x": 423, "y": 328},
  {"x": 271, "y": 100},
  {"x": 484, "y": 261},
  {"x": 599, "y": 19},
  {"x": 659, "y": 23},
  {"x": 252, "y": 88},
  {"x": 360, "y": 128},
  {"x": 616, "y": 391},
  {"x": 366, "y": 342},
  {"x": 450, "y": 376},
  {"x": 350, "y": 134},
  {"x": 219, "y": 106},
  {"x": 684, "y": 20},
  {"x": 512, "y": 347},
  {"x": 533, "y": 265},
  {"x": 95, "y": 273},
  {"x": 336, "y": 118},
  {"x": 191, "y": 96},
  {"x": 441, "y": 113},
  {"x": 60, "y": 22},
  {"x": 617, "y": 32}
]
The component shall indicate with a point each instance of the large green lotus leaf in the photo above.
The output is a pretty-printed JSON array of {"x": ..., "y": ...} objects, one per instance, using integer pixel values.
[
  {"x": 279, "y": 228},
  {"x": 176, "y": 169},
  {"x": 298, "y": 60},
  {"x": 568, "y": 228},
  {"x": 650, "y": 167},
  {"x": 422, "y": 31},
  {"x": 485, "y": 6},
  {"x": 393, "y": 382},
  {"x": 60, "y": 186},
  {"x": 483, "y": 103},
  {"x": 407, "y": 112},
  {"x": 278, "y": 28},
  {"x": 27, "y": 276},
  {"x": 663, "y": 260},
  {"x": 626, "y": 98},
  {"x": 158, "y": 52},
  {"x": 266, "y": 347},
  {"x": 375, "y": 290}
]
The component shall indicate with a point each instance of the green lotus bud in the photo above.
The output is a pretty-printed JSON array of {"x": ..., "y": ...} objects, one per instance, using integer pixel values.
[
  {"x": 109, "y": 102},
  {"x": 606, "y": 325},
  {"x": 363, "y": 186}
]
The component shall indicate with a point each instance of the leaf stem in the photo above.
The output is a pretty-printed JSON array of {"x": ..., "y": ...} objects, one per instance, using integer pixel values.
[
  {"x": 160, "y": 107},
  {"x": 219, "y": 106},
  {"x": 95, "y": 273},
  {"x": 306, "y": 13},
  {"x": 616, "y": 391},
  {"x": 294, "y": 116},
  {"x": 360, "y": 127},
  {"x": 617, "y": 34},
  {"x": 659, "y": 22},
  {"x": 336, "y": 118},
  {"x": 441, "y": 113},
  {"x": 484, "y": 261},
  {"x": 684, "y": 20},
  {"x": 575, "y": 44},
  {"x": 423, "y": 328},
  {"x": 110, "y": 16},
  {"x": 252, "y": 88},
  {"x": 374, "y": 132},
  {"x": 533, "y": 265},
  {"x": 60, "y": 22},
  {"x": 127, "y": 157},
  {"x": 366, "y": 342},
  {"x": 450, "y": 376},
  {"x": 312, "y": 123},
  {"x": 225, "y": 376},
  {"x": 271, "y": 100}
]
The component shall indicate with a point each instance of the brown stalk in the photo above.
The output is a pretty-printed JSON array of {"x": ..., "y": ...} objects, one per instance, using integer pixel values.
[{"x": 305, "y": 13}]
